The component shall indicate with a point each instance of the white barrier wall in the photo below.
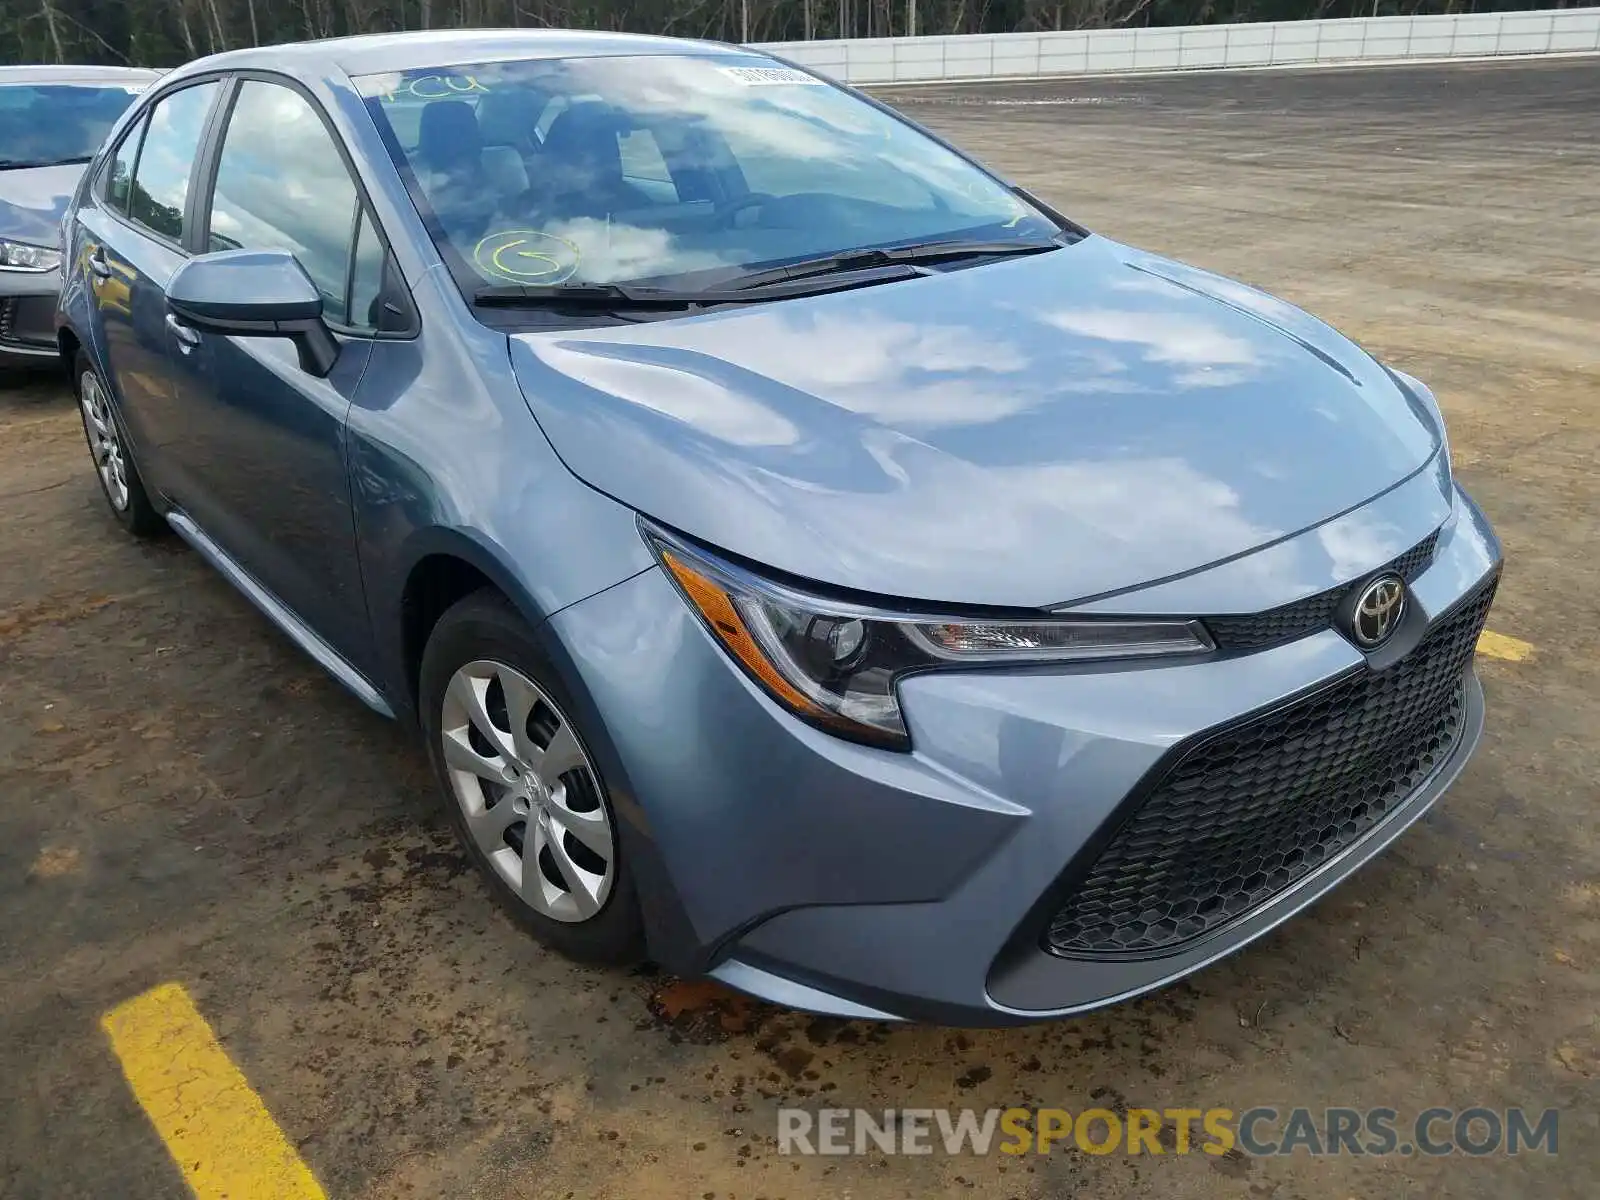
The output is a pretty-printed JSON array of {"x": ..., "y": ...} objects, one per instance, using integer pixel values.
[{"x": 999, "y": 55}]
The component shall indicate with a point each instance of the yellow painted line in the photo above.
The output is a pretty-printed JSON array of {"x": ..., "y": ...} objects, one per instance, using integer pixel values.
[
  {"x": 1500, "y": 645},
  {"x": 217, "y": 1130}
]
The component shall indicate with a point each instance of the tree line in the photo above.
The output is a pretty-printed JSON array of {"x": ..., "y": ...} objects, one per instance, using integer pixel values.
[{"x": 164, "y": 33}]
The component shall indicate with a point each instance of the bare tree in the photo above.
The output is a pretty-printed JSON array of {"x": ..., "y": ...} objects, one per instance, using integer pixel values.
[{"x": 55, "y": 30}]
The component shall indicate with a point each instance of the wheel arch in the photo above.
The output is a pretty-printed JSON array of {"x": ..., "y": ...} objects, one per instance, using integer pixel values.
[
  {"x": 439, "y": 565},
  {"x": 68, "y": 343},
  {"x": 444, "y": 566}
]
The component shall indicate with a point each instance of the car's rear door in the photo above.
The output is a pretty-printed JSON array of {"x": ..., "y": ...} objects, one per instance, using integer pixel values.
[
  {"x": 132, "y": 230},
  {"x": 264, "y": 456}
]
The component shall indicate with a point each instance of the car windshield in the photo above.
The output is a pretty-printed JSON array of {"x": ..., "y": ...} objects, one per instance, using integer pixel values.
[
  {"x": 42, "y": 124},
  {"x": 693, "y": 170}
]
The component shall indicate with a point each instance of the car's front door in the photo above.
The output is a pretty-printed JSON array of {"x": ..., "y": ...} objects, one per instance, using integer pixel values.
[
  {"x": 132, "y": 241},
  {"x": 266, "y": 447}
]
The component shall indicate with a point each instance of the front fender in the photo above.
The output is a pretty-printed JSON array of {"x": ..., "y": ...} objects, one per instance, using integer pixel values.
[{"x": 444, "y": 458}]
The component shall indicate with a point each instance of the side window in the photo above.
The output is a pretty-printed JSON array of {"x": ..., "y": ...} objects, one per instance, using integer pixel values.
[
  {"x": 119, "y": 177},
  {"x": 547, "y": 118},
  {"x": 282, "y": 185},
  {"x": 642, "y": 161},
  {"x": 160, "y": 187},
  {"x": 366, "y": 277}
]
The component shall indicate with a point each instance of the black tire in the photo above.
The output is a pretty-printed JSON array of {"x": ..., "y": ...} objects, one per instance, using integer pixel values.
[
  {"x": 485, "y": 626},
  {"x": 137, "y": 515}
]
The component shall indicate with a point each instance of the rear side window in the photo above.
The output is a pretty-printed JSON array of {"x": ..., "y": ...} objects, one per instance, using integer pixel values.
[
  {"x": 282, "y": 185},
  {"x": 642, "y": 160},
  {"x": 120, "y": 177},
  {"x": 160, "y": 188}
]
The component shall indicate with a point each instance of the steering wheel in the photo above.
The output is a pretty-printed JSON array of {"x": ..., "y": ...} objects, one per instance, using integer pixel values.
[{"x": 729, "y": 209}]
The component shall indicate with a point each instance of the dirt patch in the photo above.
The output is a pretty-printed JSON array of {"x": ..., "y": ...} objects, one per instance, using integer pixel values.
[{"x": 54, "y": 861}]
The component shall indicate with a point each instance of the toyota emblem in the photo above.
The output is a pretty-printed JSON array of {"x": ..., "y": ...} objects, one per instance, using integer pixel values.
[{"x": 1378, "y": 611}]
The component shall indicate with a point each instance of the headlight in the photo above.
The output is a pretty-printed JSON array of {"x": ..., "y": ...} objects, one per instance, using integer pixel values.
[
  {"x": 20, "y": 256},
  {"x": 836, "y": 664}
]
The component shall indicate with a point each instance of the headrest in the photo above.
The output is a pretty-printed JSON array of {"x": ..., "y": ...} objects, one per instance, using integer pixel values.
[
  {"x": 504, "y": 120},
  {"x": 588, "y": 128},
  {"x": 448, "y": 135}
]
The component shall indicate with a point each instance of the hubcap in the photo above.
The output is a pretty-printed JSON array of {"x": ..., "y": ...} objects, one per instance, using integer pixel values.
[
  {"x": 104, "y": 443},
  {"x": 528, "y": 791}
]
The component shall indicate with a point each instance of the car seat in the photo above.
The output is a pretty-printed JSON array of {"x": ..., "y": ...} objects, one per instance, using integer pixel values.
[
  {"x": 452, "y": 174},
  {"x": 509, "y": 143},
  {"x": 579, "y": 167}
]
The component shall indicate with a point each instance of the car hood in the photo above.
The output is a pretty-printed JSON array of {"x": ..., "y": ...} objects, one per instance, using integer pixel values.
[
  {"x": 1031, "y": 432},
  {"x": 33, "y": 201}
]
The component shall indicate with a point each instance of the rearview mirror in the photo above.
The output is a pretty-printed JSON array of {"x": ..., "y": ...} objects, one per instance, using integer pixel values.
[{"x": 255, "y": 293}]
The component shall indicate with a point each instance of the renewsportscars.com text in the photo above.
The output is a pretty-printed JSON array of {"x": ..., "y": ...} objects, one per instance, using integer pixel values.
[{"x": 1259, "y": 1132}]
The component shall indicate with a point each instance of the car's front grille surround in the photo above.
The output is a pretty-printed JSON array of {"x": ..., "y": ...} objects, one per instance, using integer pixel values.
[
  {"x": 1256, "y": 631},
  {"x": 1248, "y": 812}
]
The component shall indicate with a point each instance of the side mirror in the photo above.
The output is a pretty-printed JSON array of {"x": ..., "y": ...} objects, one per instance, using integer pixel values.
[{"x": 255, "y": 293}]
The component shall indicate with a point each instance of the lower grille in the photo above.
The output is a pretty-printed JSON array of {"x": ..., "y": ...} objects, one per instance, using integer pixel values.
[
  {"x": 28, "y": 320},
  {"x": 1249, "y": 812}
]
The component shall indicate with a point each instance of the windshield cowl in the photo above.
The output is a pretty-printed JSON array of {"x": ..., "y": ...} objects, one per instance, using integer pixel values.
[{"x": 810, "y": 277}]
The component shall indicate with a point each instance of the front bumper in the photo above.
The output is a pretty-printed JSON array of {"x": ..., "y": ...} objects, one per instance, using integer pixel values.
[
  {"x": 842, "y": 879},
  {"x": 27, "y": 318}
]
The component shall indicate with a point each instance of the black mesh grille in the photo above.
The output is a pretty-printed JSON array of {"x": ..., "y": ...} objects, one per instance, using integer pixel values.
[
  {"x": 1252, "y": 631},
  {"x": 28, "y": 320},
  {"x": 1415, "y": 560},
  {"x": 1255, "y": 630},
  {"x": 1245, "y": 814}
]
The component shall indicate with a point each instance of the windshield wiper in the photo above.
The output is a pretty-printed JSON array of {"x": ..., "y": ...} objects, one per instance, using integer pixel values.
[
  {"x": 919, "y": 252},
  {"x": 18, "y": 164},
  {"x": 636, "y": 297},
  {"x": 585, "y": 295},
  {"x": 808, "y": 277}
]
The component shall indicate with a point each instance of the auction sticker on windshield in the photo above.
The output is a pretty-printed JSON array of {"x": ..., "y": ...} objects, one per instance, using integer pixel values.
[{"x": 762, "y": 76}]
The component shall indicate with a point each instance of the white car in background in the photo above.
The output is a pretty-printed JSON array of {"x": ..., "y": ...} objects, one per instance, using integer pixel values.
[{"x": 52, "y": 120}]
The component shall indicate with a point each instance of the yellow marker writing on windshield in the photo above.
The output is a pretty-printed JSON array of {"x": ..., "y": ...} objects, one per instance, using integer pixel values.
[
  {"x": 441, "y": 87},
  {"x": 508, "y": 256}
]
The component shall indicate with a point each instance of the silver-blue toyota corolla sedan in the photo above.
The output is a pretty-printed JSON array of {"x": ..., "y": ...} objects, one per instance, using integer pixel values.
[{"x": 809, "y": 560}]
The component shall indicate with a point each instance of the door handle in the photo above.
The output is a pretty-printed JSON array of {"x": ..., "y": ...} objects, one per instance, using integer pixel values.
[
  {"x": 98, "y": 266},
  {"x": 188, "y": 338}
]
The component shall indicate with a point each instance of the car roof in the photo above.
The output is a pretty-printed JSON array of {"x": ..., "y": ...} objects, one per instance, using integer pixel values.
[
  {"x": 76, "y": 74},
  {"x": 368, "y": 54}
]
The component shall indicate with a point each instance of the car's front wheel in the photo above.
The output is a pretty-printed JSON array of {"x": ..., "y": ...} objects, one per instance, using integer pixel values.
[
  {"x": 527, "y": 800},
  {"x": 113, "y": 463}
]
